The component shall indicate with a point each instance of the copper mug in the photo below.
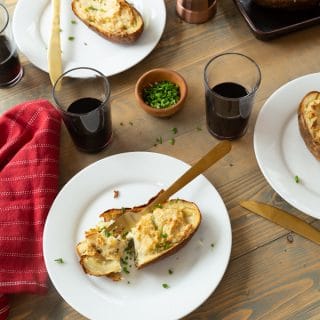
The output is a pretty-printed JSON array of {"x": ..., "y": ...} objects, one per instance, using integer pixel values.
[{"x": 196, "y": 11}]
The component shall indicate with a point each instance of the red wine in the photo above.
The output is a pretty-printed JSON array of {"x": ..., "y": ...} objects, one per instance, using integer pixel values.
[
  {"x": 10, "y": 67},
  {"x": 89, "y": 123},
  {"x": 228, "y": 118}
]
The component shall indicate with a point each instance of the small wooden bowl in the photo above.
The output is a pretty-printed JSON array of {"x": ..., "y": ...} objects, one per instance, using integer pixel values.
[{"x": 156, "y": 75}]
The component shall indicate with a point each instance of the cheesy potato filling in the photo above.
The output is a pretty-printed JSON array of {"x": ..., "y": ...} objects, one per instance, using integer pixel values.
[
  {"x": 100, "y": 8},
  {"x": 161, "y": 230},
  {"x": 312, "y": 117},
  {"x": 102, "y": 250},
  {"x": 104, "y": 14}
]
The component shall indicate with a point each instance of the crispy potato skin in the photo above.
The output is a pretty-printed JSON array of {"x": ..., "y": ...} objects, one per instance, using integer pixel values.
[{"x": 312, "y": 145}]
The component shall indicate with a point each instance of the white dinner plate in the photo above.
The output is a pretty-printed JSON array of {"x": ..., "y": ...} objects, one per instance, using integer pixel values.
[
  {"x": 197, "y": 268},
  {"x": 32, "y": 25},
  {"x": 280, "y": 150}
]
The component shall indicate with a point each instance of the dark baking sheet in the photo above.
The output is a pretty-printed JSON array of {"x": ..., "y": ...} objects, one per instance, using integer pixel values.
[{"x": 270, "y": 23}]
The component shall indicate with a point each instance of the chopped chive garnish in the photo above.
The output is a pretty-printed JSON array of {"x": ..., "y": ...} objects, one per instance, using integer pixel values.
[
  {"x": 170, "y": 271},
  {"x": 107, "y": 233},
  {"x": 163, "y": 235},
  {"x": 73, "y": 21},
  {"x": 165, "y": 285},
  {"x": 71, "y": 38},
  {"x": 296, "y": 179},
  {"x": 212, "y": 245},
  {"x": 125, "y": 270},
  {"x": 172, "y": 141},
  {"x": 174, "y": 130},
  {"x": 59, "y": 260},
  {"x": 161, "y": 94},
  {"x": 91, "y": 8}
]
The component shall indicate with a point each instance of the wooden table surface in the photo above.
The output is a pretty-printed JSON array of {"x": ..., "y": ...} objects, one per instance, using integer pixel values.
[{"x": 272, "y": 274}]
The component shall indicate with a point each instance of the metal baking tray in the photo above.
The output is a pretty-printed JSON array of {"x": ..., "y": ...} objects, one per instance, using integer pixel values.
[{"x": 270, "y": 23}]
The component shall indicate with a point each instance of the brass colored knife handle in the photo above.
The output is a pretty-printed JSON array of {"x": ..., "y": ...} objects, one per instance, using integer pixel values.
[{"x": 215, "y": 154}]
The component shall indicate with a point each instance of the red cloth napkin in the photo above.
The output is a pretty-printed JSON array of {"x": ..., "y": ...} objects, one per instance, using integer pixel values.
[{"x": 29, "y": 154}]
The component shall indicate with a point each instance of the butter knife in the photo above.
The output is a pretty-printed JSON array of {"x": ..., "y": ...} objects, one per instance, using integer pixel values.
[
  {"x": 54, "y": 48},
  {"x": 283, "y": 219}
]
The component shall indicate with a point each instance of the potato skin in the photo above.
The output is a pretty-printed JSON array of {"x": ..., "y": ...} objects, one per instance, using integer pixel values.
[{"x": 312, "y": 145}]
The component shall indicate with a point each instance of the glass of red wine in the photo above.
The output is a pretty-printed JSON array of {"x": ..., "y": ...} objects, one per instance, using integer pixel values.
[
  {"x": 231, "y": 81},
  {"x": 11, "y": 70},
  {"x": 82, "y": 95}
]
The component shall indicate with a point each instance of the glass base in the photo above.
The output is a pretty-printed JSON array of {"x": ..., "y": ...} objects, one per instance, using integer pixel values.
[
  {"x": 98, "y": 149},
  {"x": 227, "y": 138},
  {"x": 13, "y": 81}
]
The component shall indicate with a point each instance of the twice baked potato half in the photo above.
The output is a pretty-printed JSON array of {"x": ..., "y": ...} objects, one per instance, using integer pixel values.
[
  {"x": 309, "y": 122},
  {"x": 164, "y": 231},
  {"x": 115, "y": 20},
  {"x": 158, "y": 233}
]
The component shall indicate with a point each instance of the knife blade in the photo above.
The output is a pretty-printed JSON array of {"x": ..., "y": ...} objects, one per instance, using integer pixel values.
[
  {"x": 54, "y": 48},
  {"x": 283, "y": 219}
]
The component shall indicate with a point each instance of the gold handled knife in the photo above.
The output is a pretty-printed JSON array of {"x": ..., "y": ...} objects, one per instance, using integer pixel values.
[
  {"x": 129, "y": 219},
  {"x": 283, "y": 219},
  {"x": 54, "y": 49}
]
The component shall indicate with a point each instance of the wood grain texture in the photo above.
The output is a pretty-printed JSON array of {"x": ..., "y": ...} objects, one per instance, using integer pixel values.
[{"x": 273, "y": 274}]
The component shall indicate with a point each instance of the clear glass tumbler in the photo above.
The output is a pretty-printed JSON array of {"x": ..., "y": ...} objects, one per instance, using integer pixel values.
[
  {"x": 82, "y": 95},
  {"x": 11, "y": 70},
  {"x": 231, "y": 81}
]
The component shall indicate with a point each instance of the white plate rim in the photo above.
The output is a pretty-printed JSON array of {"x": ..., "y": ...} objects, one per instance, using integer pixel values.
[
  {"x": 224, "y": 248},
  {"x": 29, "y": 40},
  {"x": 296, "y": 194}
]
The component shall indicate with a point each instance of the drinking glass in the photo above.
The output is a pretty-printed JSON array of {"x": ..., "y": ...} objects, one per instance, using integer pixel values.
[
  {"x": 231, "y": 81},
  {"x": 82, "y": 95},
  {"x": 11, "y": 70}
]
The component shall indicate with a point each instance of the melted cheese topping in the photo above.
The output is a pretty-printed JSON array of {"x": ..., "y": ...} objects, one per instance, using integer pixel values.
[{"x": 312, "y": 118}]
